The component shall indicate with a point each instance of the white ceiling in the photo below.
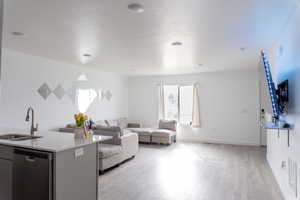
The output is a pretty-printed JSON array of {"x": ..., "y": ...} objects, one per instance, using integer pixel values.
[{"x": 212, "y": 32}]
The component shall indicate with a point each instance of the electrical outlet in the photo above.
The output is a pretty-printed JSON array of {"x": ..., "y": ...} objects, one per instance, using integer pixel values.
[
  {"x": 283, "y": 164},
  {"x": 79, "y": 152}
]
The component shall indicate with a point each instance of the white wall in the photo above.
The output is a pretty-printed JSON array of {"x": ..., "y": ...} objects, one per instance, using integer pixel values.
[
  {"x": 286, "y": 65},
  {"x": 23, "y": 74},
  {"x": 229, "y": 105}
]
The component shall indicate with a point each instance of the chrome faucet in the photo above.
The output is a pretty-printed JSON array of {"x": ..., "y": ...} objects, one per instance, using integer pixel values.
[{"x": 32, "y": 128}]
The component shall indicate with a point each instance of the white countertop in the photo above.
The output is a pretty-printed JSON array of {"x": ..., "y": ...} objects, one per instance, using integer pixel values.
[{"x": 51, "y": 141}]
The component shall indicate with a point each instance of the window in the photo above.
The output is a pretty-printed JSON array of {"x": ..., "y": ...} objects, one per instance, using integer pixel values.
[
  {"x": 178, "y": 102},
  {"x": 171, "y": 102},
  {"x": 186, "y": 104}
]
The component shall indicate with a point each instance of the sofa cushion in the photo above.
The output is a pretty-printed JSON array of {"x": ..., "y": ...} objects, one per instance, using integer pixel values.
[
  {"x": 108, "y": 128},
  {"x": 168, "y": 124},
  {"x": 163, "y": 133},
  {"x": 141, "y": 131},
  {"x": 109, "y": 150},
  {"x": 122, "y": 123},
  {"x": 101, "y": 123},
  {"x": 112, "y": 122}
]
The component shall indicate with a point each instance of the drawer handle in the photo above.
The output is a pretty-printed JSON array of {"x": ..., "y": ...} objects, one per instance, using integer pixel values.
[{"x": 30, "y": 158}]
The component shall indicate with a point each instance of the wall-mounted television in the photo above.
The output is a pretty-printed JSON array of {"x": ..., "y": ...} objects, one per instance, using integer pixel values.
[
  {"x": 283, "y": 95},
  {"x": 280, "y": 95}
]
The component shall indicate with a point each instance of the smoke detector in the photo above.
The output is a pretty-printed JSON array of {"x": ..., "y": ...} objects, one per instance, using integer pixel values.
[{"x": 136, "y": 8}]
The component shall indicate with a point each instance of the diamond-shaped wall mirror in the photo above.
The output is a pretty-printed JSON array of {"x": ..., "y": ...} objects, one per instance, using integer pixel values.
[
  {"x": 59, "y": 92},
  {"x": 44, "y": 91},
  {"x": 108, "y": 95}
]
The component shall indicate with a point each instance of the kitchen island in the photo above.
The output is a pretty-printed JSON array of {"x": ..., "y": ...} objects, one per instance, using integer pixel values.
[{"x": 55, "y": 166}]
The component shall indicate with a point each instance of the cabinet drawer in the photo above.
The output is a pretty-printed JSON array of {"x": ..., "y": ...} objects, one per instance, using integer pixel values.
[
  {"x": 6, "y": 174},
  {"x": 6, "y": 152}
]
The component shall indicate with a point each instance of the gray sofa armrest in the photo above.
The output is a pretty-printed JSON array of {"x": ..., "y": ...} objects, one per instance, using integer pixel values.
[
  {"x": 130, "y": 145},
  {"x": 110, "y": 131}
]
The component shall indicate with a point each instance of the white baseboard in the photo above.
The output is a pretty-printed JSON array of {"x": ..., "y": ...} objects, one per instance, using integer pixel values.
[{"x": 197, "y": 140}]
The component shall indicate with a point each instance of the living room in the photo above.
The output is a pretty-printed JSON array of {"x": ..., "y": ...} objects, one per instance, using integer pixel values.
[{"x": 169, "y": 97}]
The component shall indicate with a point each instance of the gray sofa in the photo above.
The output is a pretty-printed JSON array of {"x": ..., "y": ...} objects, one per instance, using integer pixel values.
[
  {"x": 117, "y": 150},
  {"x": 165, "y": 133},
  {"x": 123, "y": 145}
]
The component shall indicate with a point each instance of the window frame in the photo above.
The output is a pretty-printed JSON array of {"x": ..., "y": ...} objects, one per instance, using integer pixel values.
[{"x": 179, "y": 86}]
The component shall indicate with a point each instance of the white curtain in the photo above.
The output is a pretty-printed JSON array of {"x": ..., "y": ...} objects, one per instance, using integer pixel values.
[
  {"x": 161, "y": 102},
  {"x": 196, "y": 108}
]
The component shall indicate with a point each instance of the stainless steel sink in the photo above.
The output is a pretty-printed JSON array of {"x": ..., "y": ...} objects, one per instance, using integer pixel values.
[{"x": 18, "y": 137}]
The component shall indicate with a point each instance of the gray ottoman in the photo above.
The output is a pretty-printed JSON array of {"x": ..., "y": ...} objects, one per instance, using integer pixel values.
[
  {"x": 163, "y": 136},
  {"x": 144, "y": 134}
]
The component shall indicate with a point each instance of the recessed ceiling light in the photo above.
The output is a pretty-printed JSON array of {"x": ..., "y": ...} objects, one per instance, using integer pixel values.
[
  {"x": 136, "y": 8},
  {"x": 87, "y": 55},
  {"x": 17, "y": 33},
  {"x": 176, "y": 43}
]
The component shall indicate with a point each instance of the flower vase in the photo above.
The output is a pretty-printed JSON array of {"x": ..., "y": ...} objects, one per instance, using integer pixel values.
[{"x": 79, "y": 133}]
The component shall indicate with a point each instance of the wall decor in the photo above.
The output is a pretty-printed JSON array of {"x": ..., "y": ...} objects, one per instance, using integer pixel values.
[
  {"x": 108, "y": 95},
  {"x": 59, "y": 92},
  {"x": 44, "y": 91},
  {"x": 100, "y": 95},
  {"x": 81, "y": 93}
]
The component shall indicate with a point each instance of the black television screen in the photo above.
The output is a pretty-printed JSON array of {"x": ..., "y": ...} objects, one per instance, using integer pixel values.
[{"x": 283, "y": 94}]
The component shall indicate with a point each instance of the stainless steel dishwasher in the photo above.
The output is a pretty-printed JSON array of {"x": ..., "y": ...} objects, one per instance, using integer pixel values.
[{"x": 32, "y": 175}]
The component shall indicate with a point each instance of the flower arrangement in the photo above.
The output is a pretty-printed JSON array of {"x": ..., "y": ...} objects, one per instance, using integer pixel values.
[{"x": 80, "y": 119}]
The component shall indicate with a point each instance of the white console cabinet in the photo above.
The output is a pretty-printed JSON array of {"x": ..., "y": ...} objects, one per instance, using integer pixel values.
[{"x": 282, "y": 162}]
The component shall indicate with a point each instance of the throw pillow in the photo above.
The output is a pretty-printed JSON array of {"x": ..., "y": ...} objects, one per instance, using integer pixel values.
[{"x": 168, "y": 124}]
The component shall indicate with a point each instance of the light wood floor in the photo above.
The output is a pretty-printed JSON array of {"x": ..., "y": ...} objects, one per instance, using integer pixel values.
[{"x": 188, "y": 171}]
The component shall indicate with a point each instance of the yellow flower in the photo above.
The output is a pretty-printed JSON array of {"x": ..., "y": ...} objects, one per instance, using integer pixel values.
[{"x": 80, "y": 117}]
